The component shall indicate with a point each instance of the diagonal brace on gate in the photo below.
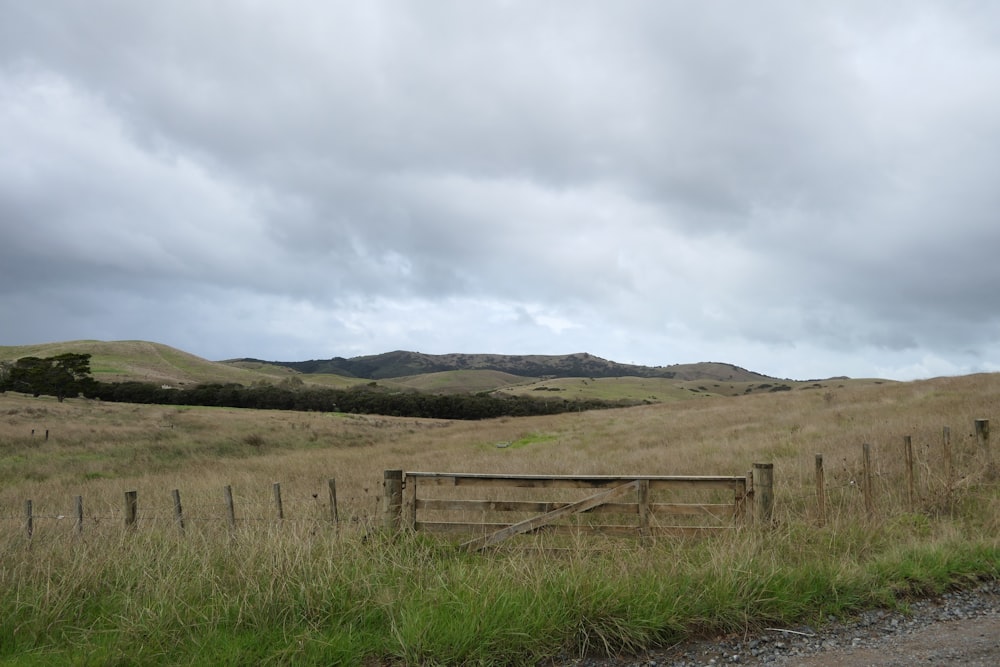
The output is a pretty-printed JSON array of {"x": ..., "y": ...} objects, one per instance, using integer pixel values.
[{"x": 540, "y": 521}]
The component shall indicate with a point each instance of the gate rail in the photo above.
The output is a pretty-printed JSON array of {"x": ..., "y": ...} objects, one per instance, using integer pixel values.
[{"x": 632, "y": 499}]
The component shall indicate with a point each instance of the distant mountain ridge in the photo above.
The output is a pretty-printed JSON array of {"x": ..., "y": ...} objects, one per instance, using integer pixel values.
[{"x": 401, "y": 363}]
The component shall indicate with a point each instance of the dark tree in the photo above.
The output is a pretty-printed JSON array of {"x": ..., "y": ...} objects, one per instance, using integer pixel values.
[
  {"x": 60, "y": 376},
  {"x": 5, "y": 368}
]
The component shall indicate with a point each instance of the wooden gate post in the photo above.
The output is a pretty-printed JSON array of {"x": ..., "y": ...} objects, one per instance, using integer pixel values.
[
  {"x": 748, "y": 495},
  {"x": 642, "y": 498},
  {"x": 392, "y": 501},
  {"x": 409, "y": 509},
  {"x": 763, "y": 488}
]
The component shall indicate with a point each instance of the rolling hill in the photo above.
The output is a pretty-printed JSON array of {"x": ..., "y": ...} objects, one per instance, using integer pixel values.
[
  {"x": 573, "y": 377},
  {"x": 403, "y": 364},
  {"x": 142, "y": 361}
]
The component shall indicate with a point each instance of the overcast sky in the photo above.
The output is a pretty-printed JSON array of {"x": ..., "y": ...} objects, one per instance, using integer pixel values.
[{"x": 804, "y": 189}]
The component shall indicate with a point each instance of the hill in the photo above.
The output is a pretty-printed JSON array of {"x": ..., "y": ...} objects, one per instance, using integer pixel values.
[
  {"x": 459, "y": 382},
  {"x": 133, "y": 360},
  {"x": 572, "y": 377},
  {"x": 403, "y": 364}
]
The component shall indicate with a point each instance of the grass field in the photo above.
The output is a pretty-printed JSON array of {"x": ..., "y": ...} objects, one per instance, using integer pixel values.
[
  {"x": 466, "y": 382},
  {"x": 307, "y": 591}
]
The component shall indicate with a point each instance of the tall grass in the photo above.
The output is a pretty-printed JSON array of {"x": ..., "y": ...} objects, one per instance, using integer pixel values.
[
  {"x": 280, "y": 598},
  {"x": 305, "y": 591}
]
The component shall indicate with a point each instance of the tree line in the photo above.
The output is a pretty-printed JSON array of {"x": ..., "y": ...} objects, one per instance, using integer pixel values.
[{"x": 68, "y": 375}]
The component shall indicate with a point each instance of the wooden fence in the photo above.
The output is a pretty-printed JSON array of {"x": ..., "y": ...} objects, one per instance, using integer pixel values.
[{"x": 492, "y": 508}]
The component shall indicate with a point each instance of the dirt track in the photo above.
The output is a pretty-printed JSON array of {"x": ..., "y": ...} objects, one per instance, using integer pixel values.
[
  {"x": 958, "y": 628},
  {"x": 973, "y": 642}
]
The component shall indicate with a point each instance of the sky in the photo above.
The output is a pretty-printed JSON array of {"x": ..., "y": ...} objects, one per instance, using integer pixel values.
[{"x": 803, "y": 189}]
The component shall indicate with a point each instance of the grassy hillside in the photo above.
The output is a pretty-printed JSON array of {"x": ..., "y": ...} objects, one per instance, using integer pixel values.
[
  {"x": 662, "y": 389},
  {"x": 142, "y": 361},
  {"x": 459, "y": 382},
  {"x": 116, "y": 361},
  {"x": 608, "y": 389},
  {"x": 284, "y": 374}
]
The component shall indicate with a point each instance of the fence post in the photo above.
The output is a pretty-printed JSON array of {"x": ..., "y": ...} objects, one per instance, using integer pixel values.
[
  {"x": 332, "y": 485},
  {"x": 227, "y": 491},
  {"x": 983, "y": 437},
  {"x": 410, "y": 502},
  {"x": 763, "y": 487},
  {"x": 866, "y": 483},
  {"x": 178, "y": 510},
  {"x": 642, "y": 497},
  {"x": 820, "y": 489},
  {"x": 29, "y": 519},
  {"x": 277, "y": 501},
  {"x": 946, "y": 445},
  {"x": 392, "y": 500},
  {"x": 131, "y": 508},
  {"x": 79, "y": 515},
  {"x": 911, "y": 483}
]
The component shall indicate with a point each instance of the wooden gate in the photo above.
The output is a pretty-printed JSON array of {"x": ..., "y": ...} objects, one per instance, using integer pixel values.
[{"x": 488, "y": 508}]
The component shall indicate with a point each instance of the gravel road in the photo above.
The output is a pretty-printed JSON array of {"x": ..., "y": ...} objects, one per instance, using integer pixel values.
[{"x": 957, "y": 628}]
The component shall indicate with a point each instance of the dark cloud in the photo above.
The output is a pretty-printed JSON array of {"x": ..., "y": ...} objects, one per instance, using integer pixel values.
[{"x": 801, "y": 189}]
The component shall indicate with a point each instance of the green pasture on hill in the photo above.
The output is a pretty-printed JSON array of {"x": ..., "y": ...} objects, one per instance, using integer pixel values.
[
  {"x": 636, "y": 389},
  {"x": 456, "y": 382}
]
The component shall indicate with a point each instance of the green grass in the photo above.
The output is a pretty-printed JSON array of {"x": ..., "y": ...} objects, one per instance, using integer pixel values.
[
  {"x": 467, "y": 381},
  {"x": 272, "y": 597},
  {"x": 304, "y": 592},
  {"x": 533, "y": 439}
]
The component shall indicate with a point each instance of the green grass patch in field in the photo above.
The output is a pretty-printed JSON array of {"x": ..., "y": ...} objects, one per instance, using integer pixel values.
[{"x": 532, "y": 439}]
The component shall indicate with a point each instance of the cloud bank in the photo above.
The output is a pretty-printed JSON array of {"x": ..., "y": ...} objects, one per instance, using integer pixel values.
[{"x": 803, "y": 190}]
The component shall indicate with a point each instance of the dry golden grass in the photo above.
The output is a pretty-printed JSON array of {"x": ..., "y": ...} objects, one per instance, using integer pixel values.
[
  {"x": 99, "y": 450},
  {"x": 304, "y": 591}
]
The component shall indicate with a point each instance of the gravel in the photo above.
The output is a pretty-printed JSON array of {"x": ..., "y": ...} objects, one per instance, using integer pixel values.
[{"x": 957, "y": 627}]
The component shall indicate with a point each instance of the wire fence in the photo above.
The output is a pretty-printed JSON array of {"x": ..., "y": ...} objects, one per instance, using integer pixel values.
[
  {"x": 926, "y": 475},
  {"x": 231, "y": 512},
  {"x": 914, "y": 475}
]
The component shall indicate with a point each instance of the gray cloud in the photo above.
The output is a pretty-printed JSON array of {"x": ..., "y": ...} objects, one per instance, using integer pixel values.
[{"x": 801, "y": 189}]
